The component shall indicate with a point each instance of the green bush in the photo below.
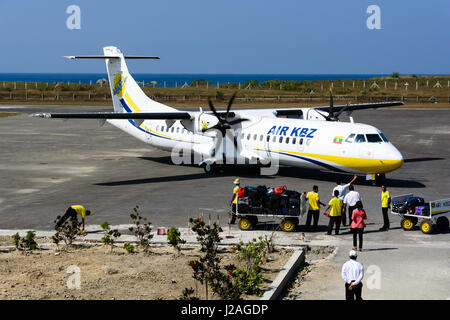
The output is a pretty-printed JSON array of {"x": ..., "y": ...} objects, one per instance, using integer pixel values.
[{"x": 174, "y": 239}]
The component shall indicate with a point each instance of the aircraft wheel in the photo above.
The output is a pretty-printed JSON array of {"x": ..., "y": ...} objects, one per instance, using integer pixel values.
[
  {"x": 210, "y": 168},
  {"x": 442, "y": 224},
  {"x": 427, "y": 227},
  {"x": 408, "y": 223}
]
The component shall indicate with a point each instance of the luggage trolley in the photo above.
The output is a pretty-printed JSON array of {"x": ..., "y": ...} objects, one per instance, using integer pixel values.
[
  {"x": 432, "y": 216},
  {"x": 288, "y": 207}
]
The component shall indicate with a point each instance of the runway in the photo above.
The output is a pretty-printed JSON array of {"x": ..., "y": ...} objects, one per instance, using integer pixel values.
[{"x": 47, "y": 165}]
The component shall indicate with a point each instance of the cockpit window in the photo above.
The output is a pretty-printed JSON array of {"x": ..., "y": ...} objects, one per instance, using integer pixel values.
[
  {"x": 360, "y": 138},
  {"x": 383, "y": 137},
  {"x": 373, "y": 138},
  {"x": 350, "y": 138}
]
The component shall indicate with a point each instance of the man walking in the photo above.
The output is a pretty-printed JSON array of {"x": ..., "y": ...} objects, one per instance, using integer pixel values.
[
  {"x": 336, "y": 213},
  {"x": 385, "y": 205},
  {"x": 353, "y": 273},
  {"x": 350, "y": 200},
  {"x": 314, "y": 208},
  {"x": 233, "y": 202}
]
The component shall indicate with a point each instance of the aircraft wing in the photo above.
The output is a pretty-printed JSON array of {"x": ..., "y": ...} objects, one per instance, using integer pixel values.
[
  {"x": 117, "y": 115},
  {"x": 361, "y": 106},
  {"x": 340, "y": 108}
]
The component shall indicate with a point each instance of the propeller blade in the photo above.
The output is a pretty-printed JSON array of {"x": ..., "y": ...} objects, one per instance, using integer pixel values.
[
  {"x": 213, "y": 109},
  {"x": 331, "y": 109},
  {"x": 229, "y": 105}
]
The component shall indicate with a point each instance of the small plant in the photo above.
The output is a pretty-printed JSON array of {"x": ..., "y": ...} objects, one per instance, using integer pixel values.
[
  {"x": 129, "y": 247},
  {"x": 27, "y": 243},
  {"x": 188, "y": 294},
  {"x": 67, "y": 231},
  {"x": 173, "y": 236},
  {"x": 142, "y": 230},
  {"x": 110, "y": 236},
  {"x": 395, "y": 74}
]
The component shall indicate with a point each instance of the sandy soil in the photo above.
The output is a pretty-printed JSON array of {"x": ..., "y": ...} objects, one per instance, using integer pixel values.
[
  {"x": 313, "y": 281},
  {"x": 163, "y": 274}
]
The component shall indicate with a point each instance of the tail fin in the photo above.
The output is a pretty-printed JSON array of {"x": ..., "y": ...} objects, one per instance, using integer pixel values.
[{"x": 126, "y": 94}]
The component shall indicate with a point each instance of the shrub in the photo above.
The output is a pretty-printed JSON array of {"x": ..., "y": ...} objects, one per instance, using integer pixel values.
[
  {"x": 110, "y": 236},
  {"x": 27, "y": 243},
  {"x": 142, "y": 230},
  {"x": 67, "y": 231},
  {"x": 174, "y": 239},
  {"x": 129, "y": 247}
]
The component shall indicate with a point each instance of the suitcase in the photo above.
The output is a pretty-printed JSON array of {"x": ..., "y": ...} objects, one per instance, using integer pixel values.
[
  {"x": 243, "y": 208},
  {"x": 423, "y": 210},
  {"x": 257, "y": 210}
]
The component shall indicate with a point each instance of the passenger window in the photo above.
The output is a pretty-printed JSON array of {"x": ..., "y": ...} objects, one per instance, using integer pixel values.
[
  {"x": 281, "y": 139},
  {"x": 350, "y": 138},
  {"x": 287, "y": 140},
  {"x": 172, "y": 130},
  {"x": 157, "y": 128},
  {"x": 300, "y": 141},
  {"x": 268, "y": 138},
  {"x": 294, "y": 140},
  {"x": 274, "y": 139},
  {"x": 373, "y": 138},
  {"x": 261, "y": 138},
  {"x": 255, "y": 137},
  {"x": 249, "y": 136},
  {"x": 162, "y": 128},
  {"x": 167, "y": 129},
  {"x": 178, "y": 130},
  {"x": 360, "y": 138}
]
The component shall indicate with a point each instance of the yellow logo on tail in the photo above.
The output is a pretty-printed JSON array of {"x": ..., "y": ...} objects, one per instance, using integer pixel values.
[{"x": 119, "y": 85}]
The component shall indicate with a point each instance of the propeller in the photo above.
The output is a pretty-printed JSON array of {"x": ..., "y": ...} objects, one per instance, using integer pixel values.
[{"x": 224, "y": 124}]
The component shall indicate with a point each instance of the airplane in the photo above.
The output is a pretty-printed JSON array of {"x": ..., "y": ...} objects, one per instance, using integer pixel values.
[{"x": 311, "y": 138}]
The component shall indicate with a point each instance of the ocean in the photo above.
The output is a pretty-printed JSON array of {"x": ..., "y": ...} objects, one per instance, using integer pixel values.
[{"x": 177, "y": 80}]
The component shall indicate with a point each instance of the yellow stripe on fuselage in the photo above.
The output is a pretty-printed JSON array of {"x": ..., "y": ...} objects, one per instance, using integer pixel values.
[{"x": 360, "y": 164}]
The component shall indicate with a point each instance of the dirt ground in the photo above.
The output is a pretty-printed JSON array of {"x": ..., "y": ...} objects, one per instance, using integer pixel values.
[
  {"x": 162, "y": 274},
  {"x": 314, "y": 278}
]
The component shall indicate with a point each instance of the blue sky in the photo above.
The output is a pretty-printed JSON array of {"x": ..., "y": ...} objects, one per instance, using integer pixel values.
[{"x": 230, "y": 36}]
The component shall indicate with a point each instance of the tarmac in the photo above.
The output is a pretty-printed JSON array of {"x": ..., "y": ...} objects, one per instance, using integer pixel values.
[{"x": 48, "y": 165}]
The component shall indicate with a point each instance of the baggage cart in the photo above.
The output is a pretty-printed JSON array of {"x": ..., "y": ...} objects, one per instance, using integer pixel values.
[
  {"x": 431, "y": 216},
  {"x": 251, "y": 212}
]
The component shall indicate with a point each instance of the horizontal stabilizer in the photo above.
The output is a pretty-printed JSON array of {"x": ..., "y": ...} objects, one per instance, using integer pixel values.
[{"x": 109, "y": 57}]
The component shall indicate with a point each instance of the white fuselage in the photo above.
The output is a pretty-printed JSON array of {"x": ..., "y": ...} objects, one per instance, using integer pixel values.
[{"x": 293, "y": 142}]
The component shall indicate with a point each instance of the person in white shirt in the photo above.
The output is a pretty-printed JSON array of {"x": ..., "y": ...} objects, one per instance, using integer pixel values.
[
  {"x": 342, "y": 192},
  {"x": 350, "y": 200},
  {"x": 353, "y": 273}
]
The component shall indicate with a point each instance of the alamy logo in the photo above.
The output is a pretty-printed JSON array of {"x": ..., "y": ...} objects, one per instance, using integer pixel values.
[
  {"x": 374, "y": 20},
  {"x": 74, "y": 20}
]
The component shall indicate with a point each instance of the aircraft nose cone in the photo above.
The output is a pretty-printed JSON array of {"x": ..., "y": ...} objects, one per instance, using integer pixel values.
[{"x": 395, "y": 162}]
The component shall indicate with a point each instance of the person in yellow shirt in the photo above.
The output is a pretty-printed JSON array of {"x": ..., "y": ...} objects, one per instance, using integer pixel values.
[
  {"x": 385, "y": 205},
  {"x": 314, "y": 208},
  {"x": 73, "y": 212},
  {"x": 336, "y": 205},
  {"x": 233, "y": 201}
]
